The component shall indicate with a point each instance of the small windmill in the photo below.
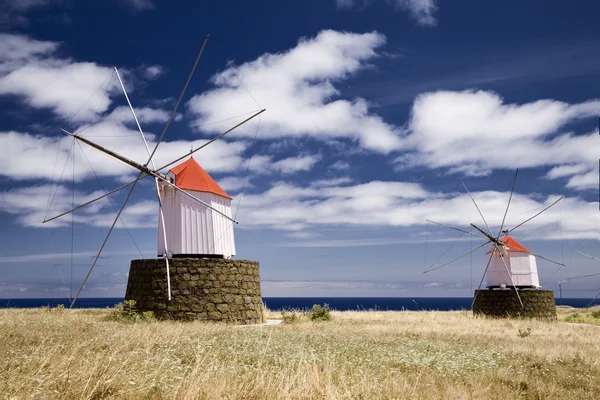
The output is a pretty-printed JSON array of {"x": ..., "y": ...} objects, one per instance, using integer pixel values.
[
  {"x": 163, "y": 183},
  {"x": 510, "y": 264}
]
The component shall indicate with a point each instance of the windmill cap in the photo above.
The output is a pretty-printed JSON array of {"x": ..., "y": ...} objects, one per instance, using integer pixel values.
[
  {"x": 190, "y": 175},
  {"x": 512, "y": 246}
]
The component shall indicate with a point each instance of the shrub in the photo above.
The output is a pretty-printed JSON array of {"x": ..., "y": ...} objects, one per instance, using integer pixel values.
[
  {"x": 126, "y": 313},
  {"x": 575, "y": 318},
  {"x": 59, "y": 308},
  {"x": 596, "y": 314},
  {"x": 291, "y": 316},
  {"x": 319, "y": 313}
]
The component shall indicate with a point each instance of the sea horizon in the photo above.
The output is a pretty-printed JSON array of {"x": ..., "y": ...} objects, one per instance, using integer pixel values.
[{"x": 284, "y": 303}]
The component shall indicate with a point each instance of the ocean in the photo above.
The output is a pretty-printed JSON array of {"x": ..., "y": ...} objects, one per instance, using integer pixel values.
[{"x": 286, "y": 303}]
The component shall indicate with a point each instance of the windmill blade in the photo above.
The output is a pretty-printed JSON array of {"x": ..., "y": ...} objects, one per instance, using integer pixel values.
[
  {"x": 593, "y": 300},
  {"x": 527, "y": 220},
  {"x": 105, "y": 240},
  {"x": 162, "y": 135},
  {"x": 585, "y": 255},
  {"x": 456, "y": 229},
  {"x": 489, "y": 237},
  {"x": 476, "y": 206},
  {"x": 510, "y": 276},
  {"x": 457, "y": 258},
  {"x": 512, "y": 190},
  {"x": 191, "y": 196},
  {"x": 92, "y": 201},
  {"x": 582, "y": 276},
  {"x": 482, "y": 278},
  {"x": 213, "y": 139},
  {"x": 547, "y": 259},
  {"x": 164, "y": 229},
  {"x": 160, "y": 207},
  {"x": 145, "y": 170}
]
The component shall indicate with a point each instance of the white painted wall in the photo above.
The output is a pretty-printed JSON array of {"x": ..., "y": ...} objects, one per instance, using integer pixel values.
[
  {"x": 193, "y": 228},
  {"x": 522, "y": 266}
]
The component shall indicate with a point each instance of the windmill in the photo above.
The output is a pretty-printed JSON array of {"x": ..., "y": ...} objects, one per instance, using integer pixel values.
[
  {"x": 510, "y": 265},
  {"x": 149, "y": 169}
]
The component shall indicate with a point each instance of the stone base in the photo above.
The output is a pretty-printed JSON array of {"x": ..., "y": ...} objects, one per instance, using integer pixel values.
[
  {"x": 201, "y": 289},
  {"x": 505, "y": 303}
]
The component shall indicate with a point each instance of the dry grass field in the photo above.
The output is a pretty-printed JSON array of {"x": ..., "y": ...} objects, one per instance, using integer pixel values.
[{"x": 360, "y": 355}]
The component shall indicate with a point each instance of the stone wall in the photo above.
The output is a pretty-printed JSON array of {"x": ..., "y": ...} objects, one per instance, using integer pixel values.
[
  {"x": 201, "y": 289},
  {"x": 505, "y": 303}
]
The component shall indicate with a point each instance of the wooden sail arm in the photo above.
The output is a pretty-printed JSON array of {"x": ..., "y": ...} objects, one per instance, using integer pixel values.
[{"x": 138, "y": 166}]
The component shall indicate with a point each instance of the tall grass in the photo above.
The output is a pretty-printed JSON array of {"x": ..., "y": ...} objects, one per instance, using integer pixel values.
[{"x": 79, "y": 354}]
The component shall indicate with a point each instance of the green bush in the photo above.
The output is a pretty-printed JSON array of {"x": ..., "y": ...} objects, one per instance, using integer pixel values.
[
  {"x": 59, "y": 308},
  {"x": 319, "y": 313},
  {"x": 292, "y": 316},
  {"x": 126, "y": 313},
  {"x": 596, "y": 314},
  {"x": 575, "y": 318}
]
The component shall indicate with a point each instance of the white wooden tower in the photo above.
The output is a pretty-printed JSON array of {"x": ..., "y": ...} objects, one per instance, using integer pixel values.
[
  {"x": 512, "y": 264},
  {"x": 192, "y": 229}
]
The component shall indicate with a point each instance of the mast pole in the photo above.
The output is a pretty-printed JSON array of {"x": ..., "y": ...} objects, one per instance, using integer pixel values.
[{"x": 160, "y": 207}]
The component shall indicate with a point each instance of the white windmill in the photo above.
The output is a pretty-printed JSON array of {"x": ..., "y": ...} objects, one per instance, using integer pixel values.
[
  {"x": 211, "y": 207},
  {"x": 510, "y": 264},
  {"x": 194, "y": 229}
]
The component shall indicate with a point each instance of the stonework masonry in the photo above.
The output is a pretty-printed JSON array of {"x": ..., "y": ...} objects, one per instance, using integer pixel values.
[
  {"x": 217, "y": 290},
  {"x": 505, "y": 303}
]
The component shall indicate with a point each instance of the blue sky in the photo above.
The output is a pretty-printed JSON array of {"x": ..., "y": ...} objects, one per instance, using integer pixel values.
[{"x": 376, "y": 110}]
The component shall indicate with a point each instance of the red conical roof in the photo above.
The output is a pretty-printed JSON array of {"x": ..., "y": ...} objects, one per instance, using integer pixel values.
[
  {"x": 512, "y": 246},
  {"x": 191, "y": 176}
]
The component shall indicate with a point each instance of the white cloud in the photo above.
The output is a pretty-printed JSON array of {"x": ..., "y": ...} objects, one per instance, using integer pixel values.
[
  {"x": 234, "y": 183},
  {"x": 28, "y": 70},
  {"x": 298, "y": 209},
  {"x": 344, "y": 3},
  {"x": 330, "y": 182},
  {"x": 18, "y": 48},
  {"x": 401, "y": 204},
  {"x": 140, "y": 5},
  {"x": 24, "y": 5},
  {"x": 30, "y": 205},
  {"x": 498, "y": 135},
  {"x": 340, "y": 165},
  {"x": 422, "y": 11},
  {"x": 302, "y": 235},
  {"x": 588, "y": 180},
  {"x": 30, "y": 157},
  {"x": 153, "y": 71},
  {"x": 566, "y": 170},
  {"x": 292, "y": 165},
  {"x": 581, "y": 176},
  {"x": 297, "y": 89},
  {"x": 82, "y": 90},
  {"x": 61, "y": 86}
]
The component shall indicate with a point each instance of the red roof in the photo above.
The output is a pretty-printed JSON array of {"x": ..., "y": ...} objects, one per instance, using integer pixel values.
[
  {"x": 191, "y": 176},
  {"x": 512, "y": 246}
]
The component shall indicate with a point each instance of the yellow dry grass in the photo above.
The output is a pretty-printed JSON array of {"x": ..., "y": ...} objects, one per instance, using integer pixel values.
[{"x": 362, "y": 355}]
